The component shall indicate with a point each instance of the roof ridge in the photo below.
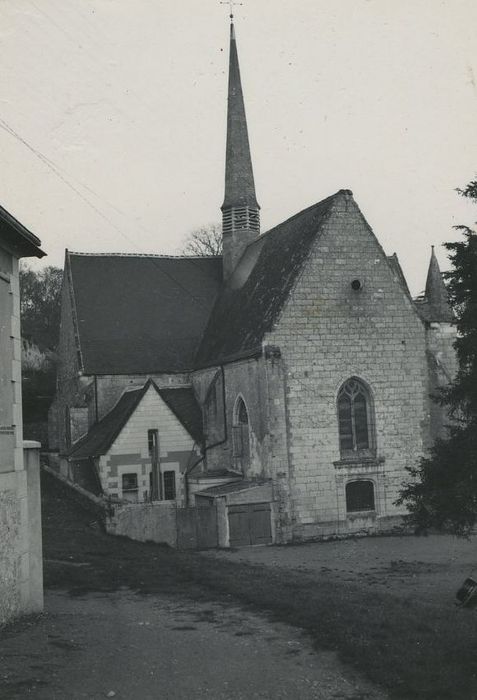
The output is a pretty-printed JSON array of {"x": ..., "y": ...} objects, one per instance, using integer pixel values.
[{"x": 144, "y": 255}]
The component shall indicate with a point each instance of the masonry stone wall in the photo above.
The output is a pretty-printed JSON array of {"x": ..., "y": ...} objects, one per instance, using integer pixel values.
[
  {"x": 329, "y": 332},
  {"x": 70, "y": 386},
  {"x": 129, "y": 454},
  {"x": 145, "y": 522},
  {"x": 443, "y": 365},
  {"x": 260, "y": 383},
  {"x": 21, "y": 582}
]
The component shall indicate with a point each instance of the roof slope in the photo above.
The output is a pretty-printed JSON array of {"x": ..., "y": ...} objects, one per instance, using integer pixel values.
[
  {"x": 259, "y": 286},
  {"x": 183, "y": 404},
  {"x": 23, "y": 242},
  {"x": 141, "y": 314},
  {"x": 101, "y": 435}
]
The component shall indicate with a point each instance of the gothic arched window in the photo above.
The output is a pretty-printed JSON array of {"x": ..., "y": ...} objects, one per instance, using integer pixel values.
[
  {"x": 355, "y": 417},
  {"x": 241, "y": 436}
]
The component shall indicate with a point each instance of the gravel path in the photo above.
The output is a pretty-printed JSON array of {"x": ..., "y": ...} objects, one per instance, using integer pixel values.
[{"x": 127, "y": 646}]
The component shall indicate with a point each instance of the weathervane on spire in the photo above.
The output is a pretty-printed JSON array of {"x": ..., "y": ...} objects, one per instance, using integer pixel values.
[{"x": 231, "y": 4}]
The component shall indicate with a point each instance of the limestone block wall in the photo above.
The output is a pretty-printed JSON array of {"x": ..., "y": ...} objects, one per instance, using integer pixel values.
[
  {"x": 329, "y": 332},
  {"x": 70, "y": 386},
  {"x": 21, "y": 581},
  {"x": 260, "y": 382},
  {"x": 443, "y": 367},
  {"x": 21, "y": 566},
  {"x": 130, "y": 454}
]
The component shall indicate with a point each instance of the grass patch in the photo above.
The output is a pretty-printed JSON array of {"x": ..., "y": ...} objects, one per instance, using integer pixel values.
[{"x": 412, "y": 648}]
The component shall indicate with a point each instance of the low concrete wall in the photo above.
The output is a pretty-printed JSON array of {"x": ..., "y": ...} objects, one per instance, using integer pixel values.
[
  {"x": 31, "y": 459},
  {"x": 146, "y": 522},
  {"x": 21, "y": 568}
]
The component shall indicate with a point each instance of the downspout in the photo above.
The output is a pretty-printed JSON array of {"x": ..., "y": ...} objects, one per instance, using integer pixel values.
[
  {"x": 206, "y": 448},
  {"x": 96, "y": 397}
]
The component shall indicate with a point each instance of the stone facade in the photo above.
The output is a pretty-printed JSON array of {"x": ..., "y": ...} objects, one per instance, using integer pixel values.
[
  {"x": 21, "y": 578},
  {"x": 329, "y": 332}
]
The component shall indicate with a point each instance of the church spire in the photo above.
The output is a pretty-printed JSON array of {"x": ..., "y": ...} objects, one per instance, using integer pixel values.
[
  {"x": 436, "y": 294},
  {"x": 240, "y": 210}
]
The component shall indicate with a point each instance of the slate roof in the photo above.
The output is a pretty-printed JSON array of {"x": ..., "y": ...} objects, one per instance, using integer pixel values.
[
  {"x": 141, "y": 314},
  {"x": 101, "y": 435},
  {"x": 234, "y": 487},
  {"x": 145, "y": 314},
  {"x": 23, "y": 241},
  {"x": 259, "y": 286},
  {"x": 183, "y": 404}
]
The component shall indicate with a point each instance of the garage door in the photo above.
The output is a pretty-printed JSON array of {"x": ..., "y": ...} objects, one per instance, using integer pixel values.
[{"x": 250, "y": 524}]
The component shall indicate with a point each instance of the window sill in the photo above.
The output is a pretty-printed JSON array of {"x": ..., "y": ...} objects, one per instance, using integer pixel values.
[
  {"x": 358, "y": 460},
  {"x": 360, "y": 514}
]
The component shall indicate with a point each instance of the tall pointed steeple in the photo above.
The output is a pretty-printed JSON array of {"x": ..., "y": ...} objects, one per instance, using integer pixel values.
[
  {"x": 240, "y": 210},
  {"x": 436, "y": 295}
]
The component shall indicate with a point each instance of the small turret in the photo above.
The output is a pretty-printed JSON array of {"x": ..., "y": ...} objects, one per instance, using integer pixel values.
[{"x": 438, "y": 307}]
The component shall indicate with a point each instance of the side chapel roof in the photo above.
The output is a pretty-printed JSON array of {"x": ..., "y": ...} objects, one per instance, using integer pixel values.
[
  {"x": 139, "y": 314},
  {"x": 101, "y": 435}
]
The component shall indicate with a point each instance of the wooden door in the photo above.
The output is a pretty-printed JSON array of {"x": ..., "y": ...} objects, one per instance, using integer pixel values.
[{"x": 250, "y": 524}]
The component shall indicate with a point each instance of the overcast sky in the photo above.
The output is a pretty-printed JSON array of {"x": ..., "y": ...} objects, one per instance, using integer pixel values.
[{"x": 112, "y": 117}]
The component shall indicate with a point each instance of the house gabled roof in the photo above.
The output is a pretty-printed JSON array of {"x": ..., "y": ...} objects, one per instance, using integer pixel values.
[
  {"x": 101, "y": 435},
  {"x": 139, "y": 314},
  {"x": 183, "y": 404},
  {"x": 24, "y": 243},
  {"x": 259, "y": 286}
]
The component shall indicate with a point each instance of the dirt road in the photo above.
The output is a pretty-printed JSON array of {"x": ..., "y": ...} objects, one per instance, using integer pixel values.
[{"x": 129, "y": 646}]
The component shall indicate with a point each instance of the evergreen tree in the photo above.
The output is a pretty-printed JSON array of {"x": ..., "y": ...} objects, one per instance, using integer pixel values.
[{"x": 443, "y": 490}]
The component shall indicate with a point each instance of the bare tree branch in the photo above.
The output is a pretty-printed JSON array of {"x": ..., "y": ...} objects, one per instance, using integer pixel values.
[{"x": 204, "y": 241}]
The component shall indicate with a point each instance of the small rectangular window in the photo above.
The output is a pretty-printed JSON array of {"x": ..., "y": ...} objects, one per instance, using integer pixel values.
[
  {"x": 129, "y": 487},
  {"x": 152, "y": 441},
  {"x": 359, "y": 496},
  {"x": 169, "y": 486}
]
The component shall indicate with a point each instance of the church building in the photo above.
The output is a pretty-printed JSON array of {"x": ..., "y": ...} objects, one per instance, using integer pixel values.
[{"x": 286, "y": 382}]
